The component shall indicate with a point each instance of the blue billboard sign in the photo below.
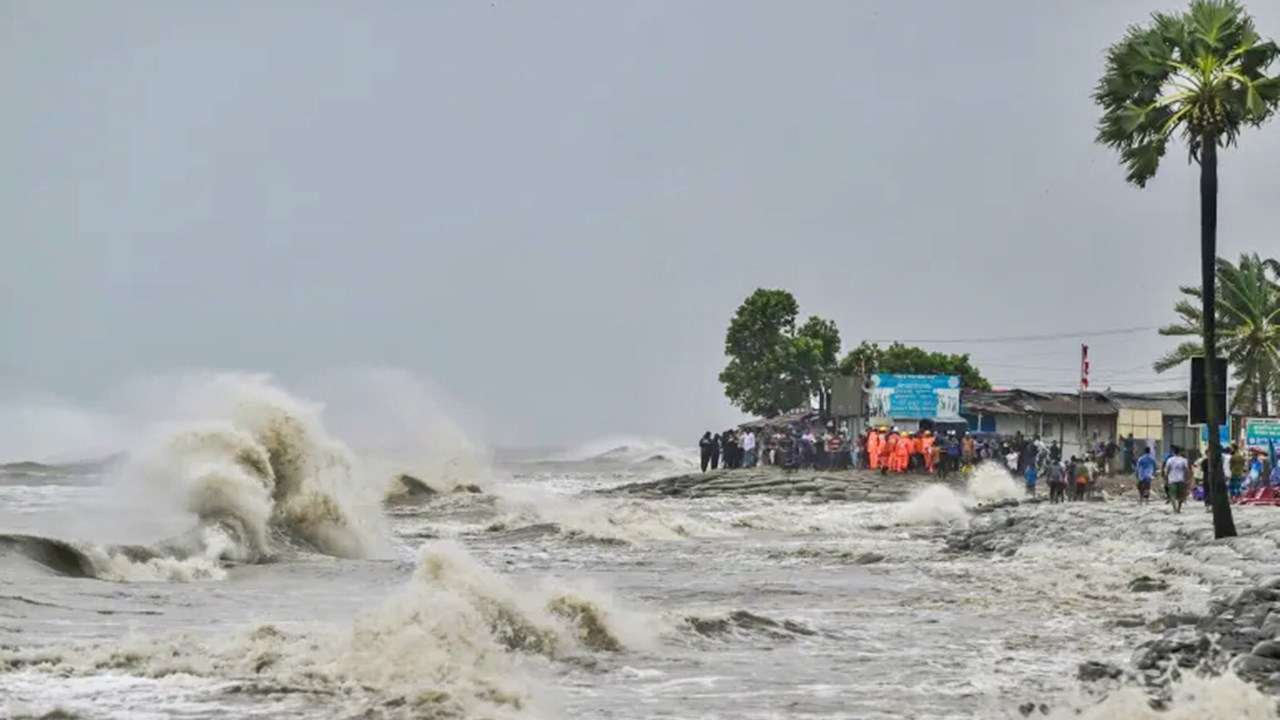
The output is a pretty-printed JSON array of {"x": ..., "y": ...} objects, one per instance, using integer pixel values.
[
  {"x": 1224, "y": 435},
  {"x": 914, "y": 397}
]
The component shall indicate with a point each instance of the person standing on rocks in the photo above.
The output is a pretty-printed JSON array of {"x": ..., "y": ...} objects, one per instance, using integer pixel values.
[
  {"x": 704, "y": 447},
  {"x": 715, "y": 451},
  {"x": 749, "y": 449},
  {"x": 1236, "y": 466},
  {"x": 1057, "y": 482},
  {"x": 1146, "y": 471},
  {"x": 873, "y": 450},
  {"x": 1176, "y": 470},
  {"x": 1084, "y": 476}
]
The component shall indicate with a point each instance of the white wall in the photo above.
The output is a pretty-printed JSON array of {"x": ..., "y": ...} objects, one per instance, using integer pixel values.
[{"x": 1064, "y": 428}]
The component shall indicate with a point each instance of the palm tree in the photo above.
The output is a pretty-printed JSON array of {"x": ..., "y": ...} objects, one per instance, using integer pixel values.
[
  {"x": 1200, "y": 74},
  {"x": 1248, "y": 327}
]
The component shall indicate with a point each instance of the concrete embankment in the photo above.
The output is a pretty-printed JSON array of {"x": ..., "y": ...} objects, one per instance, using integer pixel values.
[{"x": 851, "y": 485}]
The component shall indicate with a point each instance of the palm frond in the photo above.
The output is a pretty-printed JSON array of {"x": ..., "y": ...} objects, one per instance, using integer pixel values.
[{"x": 1184, "y": 352}]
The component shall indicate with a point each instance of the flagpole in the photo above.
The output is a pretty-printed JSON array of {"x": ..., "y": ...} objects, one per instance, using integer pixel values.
[{"x": 1084, "y": 383}]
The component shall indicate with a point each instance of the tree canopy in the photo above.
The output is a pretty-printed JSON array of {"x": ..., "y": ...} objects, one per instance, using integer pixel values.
[
  {"x": 1248, "y": 329},
  {"x": 911, "y": 360},
  {"x": 1201, "y": 74},
  {"x": 774, "y": 366}
]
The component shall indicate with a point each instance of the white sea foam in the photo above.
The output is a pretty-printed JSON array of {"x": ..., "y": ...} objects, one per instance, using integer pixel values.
[
  {"x": 991, "y": 482},
  {"x": 933, "y": 505},
  {"x": 1225, "y": 697},
  {"x": 457, "y": 641}
]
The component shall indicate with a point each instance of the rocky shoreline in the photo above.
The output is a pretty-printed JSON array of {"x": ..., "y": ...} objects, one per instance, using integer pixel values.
[
  {"x": 1238, "y": 634},
  {"x": 819, "y": 485}
]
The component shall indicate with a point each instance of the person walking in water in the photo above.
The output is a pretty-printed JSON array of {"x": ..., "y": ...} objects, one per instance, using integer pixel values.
[
  {"x": 1175, "y": 472},
  {"x": 704, "y": 447},
  {"x": 1146, "y": 471}
]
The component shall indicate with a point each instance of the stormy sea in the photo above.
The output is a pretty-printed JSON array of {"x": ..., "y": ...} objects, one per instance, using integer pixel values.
[{"x": 248, "y": 556}]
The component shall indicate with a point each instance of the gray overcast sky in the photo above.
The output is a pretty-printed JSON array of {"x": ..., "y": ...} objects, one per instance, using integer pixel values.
[{"x": 553, "y": 208}]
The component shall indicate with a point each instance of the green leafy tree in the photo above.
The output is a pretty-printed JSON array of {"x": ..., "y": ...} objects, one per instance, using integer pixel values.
[
  {"x": 1248, "y": 329},
  {"x": 815, "y": 352},
  {"x": 1201, "y": 75},
  {"x": 773, "y": 365},
  {"x": 911, "y": 360}
]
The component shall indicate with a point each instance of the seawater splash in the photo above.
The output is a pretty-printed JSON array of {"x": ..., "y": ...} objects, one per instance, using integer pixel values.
[
  {"x": 271, "y": 478},
  {"x": 991, "y": 482},
  {"x": 258, "y": 472},
  {"x": 933, "y": 505},
  {"x": 457, "y": 641},
  {"x": 1224, "y": 697},
  {"x": 943, "y": 505}
]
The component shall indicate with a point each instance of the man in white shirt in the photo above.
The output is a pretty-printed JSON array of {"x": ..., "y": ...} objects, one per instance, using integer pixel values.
[
  {"x": 749, "y": 449},
  {"x": 1176, "y": 471}
]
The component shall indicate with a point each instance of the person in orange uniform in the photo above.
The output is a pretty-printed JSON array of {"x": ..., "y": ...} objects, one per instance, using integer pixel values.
[
  {"x": 902, "y": 453},
  {"x": 888, "y": 451},
  {"x": 926, "y": 449},
  {"x": 873, "y": 449}
]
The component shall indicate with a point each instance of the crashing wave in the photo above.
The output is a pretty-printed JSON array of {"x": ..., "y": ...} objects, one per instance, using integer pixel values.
[
  {"x": 265, "y": 482},
  {"x": 452, "y": 643}
]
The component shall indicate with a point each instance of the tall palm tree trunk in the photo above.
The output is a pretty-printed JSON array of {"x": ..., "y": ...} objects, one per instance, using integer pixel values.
[{"x": 1223, "y": 524}]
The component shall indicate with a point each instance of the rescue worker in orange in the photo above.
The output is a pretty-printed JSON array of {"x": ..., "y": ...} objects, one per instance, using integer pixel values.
[
  {"x": 873, "y": 449},
  {"x": 902, "y": 454},
  {"x": 888, "y": 451},
  {"x": 926, "y": 449}
]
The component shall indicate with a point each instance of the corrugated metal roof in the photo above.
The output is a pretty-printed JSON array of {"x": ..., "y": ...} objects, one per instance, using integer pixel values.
[
  {"x": 1169, "y": 403},
  {"x": 1021, "y": 402}
]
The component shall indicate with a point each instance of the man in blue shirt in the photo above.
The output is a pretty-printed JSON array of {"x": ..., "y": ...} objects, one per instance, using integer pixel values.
[{"x": 1146, "y": 468}]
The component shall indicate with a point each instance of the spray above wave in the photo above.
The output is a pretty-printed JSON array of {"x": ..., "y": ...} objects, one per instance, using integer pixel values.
[
  {"x": 256, "y": 468},
  {"x": 942, "y": 505},
  {"x": 272, "y": 479}
]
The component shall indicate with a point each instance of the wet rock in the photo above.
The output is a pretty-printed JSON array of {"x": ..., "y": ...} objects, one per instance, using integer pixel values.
[
  {"x": 997, "y": 505},
  {"x": 1128, "y": 621},
  {"x": 1146, "y": 584},
  {"x": 868, "y": 558},
  {"x": 1176, "y": 620},
  {"x": 1253, "y": 666},
  {"x": 1092, "y": 671},
  {"x": 1183, "y": 646},
  {"x": 1256, "y": 595}
]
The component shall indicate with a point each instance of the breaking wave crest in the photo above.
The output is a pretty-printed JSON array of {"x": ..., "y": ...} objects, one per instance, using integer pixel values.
[
  {"x": 629, "y": 522},
  {"x": 258, "y": 472},
  {"x": 455, "y": 642}
]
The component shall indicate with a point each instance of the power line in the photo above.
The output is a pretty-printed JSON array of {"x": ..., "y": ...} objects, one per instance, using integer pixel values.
[{"x": 1025, "y": 338}]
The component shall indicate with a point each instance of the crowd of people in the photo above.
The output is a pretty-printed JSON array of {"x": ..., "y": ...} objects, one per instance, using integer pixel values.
[
  {"x": 1074, "y": 478},
  {"x": 887, "y": 449}
]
